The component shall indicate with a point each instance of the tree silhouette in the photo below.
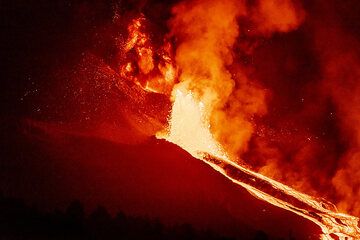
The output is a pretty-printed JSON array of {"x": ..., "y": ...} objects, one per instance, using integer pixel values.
[{"x": 20, "y": 221}]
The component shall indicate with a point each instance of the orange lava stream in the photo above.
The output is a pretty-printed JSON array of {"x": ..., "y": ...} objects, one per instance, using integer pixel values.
[{"x": 189, "y": 128}]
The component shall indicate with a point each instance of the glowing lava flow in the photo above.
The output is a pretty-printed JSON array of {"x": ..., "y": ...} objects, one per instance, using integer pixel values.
[{"x": 189, "y": 128}]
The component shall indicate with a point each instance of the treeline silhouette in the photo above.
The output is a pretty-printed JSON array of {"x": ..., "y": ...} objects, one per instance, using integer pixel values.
[{"x": 20, "y": 221}]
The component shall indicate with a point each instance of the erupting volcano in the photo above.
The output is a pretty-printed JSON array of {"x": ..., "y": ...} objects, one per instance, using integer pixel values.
[
  {"x": 264, "y": 93},
  {"x": 206, "y": 32}
]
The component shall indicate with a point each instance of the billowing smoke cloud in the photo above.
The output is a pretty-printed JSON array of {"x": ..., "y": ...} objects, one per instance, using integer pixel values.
[{"x": 206, "y": 32}]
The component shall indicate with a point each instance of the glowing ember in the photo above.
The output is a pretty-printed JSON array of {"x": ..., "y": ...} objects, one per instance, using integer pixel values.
[{"x": 189, "y": 128}]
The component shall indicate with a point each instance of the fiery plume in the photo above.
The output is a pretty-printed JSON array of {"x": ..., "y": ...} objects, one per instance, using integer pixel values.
[{"x": 206, "y": 32}]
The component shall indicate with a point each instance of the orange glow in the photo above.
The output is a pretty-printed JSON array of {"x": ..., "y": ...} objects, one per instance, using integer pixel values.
[{"x": 213, "y": 109}]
